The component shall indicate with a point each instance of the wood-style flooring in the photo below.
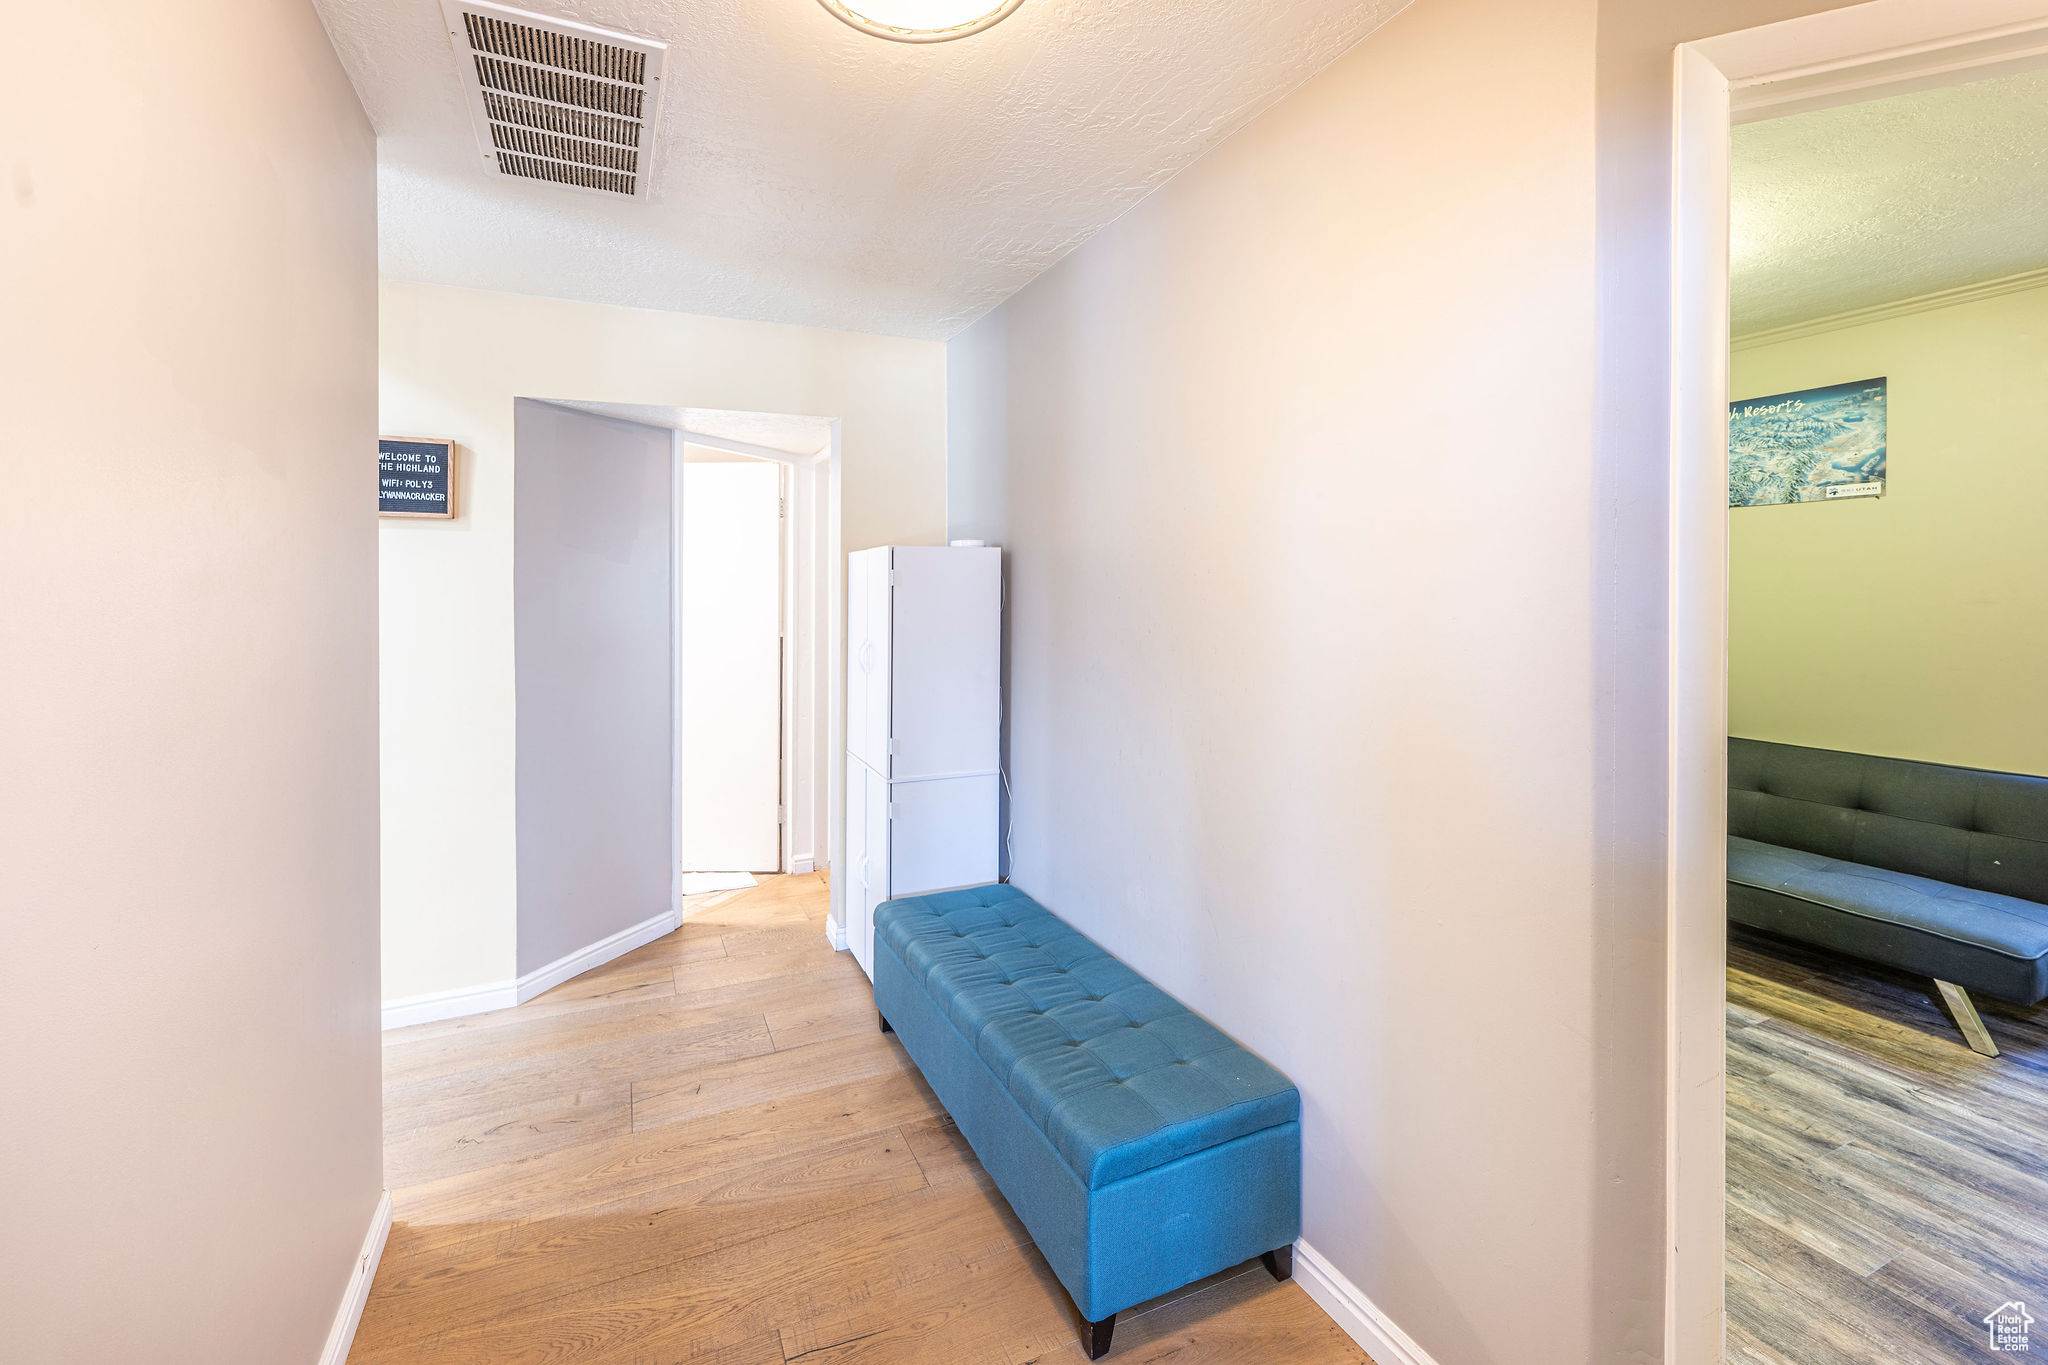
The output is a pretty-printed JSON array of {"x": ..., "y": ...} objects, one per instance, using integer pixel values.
[
  {"x": 706, "y": 1152},
  {"x": 1887, "y": 1187}
]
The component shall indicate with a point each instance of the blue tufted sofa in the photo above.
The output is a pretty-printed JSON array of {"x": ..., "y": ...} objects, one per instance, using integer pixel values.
[
  {"x": 1138, "y": 1144},
  {"x": 1923, "y": 867}
]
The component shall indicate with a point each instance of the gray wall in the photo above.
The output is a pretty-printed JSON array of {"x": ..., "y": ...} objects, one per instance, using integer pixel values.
[
  {"x": 188, "y": 708},
  {"x": 591, "y": 633}
]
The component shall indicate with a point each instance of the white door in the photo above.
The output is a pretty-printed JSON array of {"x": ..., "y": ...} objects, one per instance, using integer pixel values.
[
  {"x": 874, "y": 872},
  {"x": 856, "y": 865},
  {"x": 859, "y": 609},
  {"x": 729, "y": 706},
  {"x": 868, "y": 681},
  {"x": 946, "y": 661},
  {"x": 942, "y": 833}
]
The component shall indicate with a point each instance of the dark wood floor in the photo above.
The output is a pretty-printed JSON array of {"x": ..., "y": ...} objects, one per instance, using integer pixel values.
[
  {"x": 706, "y": 1152},
  {"x": 1887, "y": 1187}
]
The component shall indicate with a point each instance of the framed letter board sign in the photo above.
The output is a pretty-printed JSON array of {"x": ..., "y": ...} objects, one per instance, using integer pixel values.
[{"x": 415, "y": 478}]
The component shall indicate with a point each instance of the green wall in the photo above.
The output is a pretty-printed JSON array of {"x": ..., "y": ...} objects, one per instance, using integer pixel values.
[{"x": 1915, "y": 624}]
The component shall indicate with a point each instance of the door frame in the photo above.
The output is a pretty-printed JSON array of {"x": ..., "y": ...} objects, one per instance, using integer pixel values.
[
  {"x": 1836, "y": 57},
  {"x": 812, "y": 629}
]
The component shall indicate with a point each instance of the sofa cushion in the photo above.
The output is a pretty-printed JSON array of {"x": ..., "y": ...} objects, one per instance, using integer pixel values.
[
  {"x": 1978, "y": 939},
  {"x": 1119, "y": 1075},
  {"x": 1983, "y": 830}
]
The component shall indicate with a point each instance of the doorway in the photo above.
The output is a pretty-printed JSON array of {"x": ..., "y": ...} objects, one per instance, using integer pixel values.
[
  {"x": 791, "y": 695},
  {"x": 1816, "y": 62},
  {"x": 729, "y": 665}
]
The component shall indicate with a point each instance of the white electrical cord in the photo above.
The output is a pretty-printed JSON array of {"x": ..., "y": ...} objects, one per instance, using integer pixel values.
[
  {"x": 1009, "y": 827},
  {"x": 1009, "y": 801}
]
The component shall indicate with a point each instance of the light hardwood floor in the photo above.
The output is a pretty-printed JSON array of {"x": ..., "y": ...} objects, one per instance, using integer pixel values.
[
  {"x": 1887, "y": 1187},
  {"x": 706, "y": 1152}
]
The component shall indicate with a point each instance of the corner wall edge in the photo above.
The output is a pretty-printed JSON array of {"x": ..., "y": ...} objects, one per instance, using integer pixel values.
[
  {"x": 342, "y": 1335},
  {"x": 1362, "y": 1319}
]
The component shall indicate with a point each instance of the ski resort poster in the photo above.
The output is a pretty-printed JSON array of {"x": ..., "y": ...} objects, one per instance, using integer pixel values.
[{"x": 1809, "y": 446}]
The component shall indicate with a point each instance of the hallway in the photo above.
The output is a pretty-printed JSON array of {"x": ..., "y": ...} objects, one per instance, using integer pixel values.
[{"x": 706, "y": 1151}]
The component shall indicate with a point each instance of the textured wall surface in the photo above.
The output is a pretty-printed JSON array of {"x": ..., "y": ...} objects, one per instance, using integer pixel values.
[
  {"x": 1910, "y": 624},
  {"x": 191, "y": 1153},
  {"x": 811, "y": 174},
  {"x": 1889, "y": 199}
]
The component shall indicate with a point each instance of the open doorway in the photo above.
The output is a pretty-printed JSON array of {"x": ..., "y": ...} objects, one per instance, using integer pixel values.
[
  {"x": 1858, "y": 794},
  {"x": 755, "y": 621},
  {"x": 1888, "y": 766},
  {"x": 729, "y": 664}
]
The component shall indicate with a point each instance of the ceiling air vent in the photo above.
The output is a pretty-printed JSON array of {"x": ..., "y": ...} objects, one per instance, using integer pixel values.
[{"x": 558, "y": 102}]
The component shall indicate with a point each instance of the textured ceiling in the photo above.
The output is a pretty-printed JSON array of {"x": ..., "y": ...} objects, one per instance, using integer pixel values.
[
  {"x": 1889, "y": 199},
  {"x": 808, "y": 173}
]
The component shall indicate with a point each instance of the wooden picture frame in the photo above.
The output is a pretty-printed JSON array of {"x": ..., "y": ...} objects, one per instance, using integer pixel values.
[{"x": 417, "y": 471}]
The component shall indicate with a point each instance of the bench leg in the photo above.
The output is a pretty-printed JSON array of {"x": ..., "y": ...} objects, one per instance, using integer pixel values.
[
  {"x": 1095, "y": 1336},
  {"x": 1967, "y": 1019},
  {"x": 887, "y": 1027},
  {"x": 1280, "y": 1263}
]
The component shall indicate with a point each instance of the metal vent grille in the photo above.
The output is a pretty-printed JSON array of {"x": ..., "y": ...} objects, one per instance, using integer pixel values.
[
  {"x": 553, "y": 118},
  {"x": 558, "y": 88},
  {"x": 564, "y": 148},
  {"x": 561, "y": 51},
  {"x": 557, "y": 101},
  {"x": 560, "y": 173}
]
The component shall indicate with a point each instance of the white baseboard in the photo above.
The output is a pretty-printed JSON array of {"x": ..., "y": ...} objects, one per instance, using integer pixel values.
[
  {"x": 798, "y": 866},
  {"x": 1379, "y": 1335},
  {"x": 342, "y": 1335},
  {"x": 835, "y": 934},
  {"x": 427, "y": 1009},
  {"x": 597, "y": 954}
]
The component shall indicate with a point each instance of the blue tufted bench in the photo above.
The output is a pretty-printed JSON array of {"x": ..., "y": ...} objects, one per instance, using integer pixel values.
[{"x": 1139, "y": 1145}]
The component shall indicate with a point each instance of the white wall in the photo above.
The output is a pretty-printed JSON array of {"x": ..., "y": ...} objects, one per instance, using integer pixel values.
[
  {"x": 452, "y": 362},
  {"x": 1294, "y": 478},
  {"x": 188, "y": 826},
  {"x": 592, "y": 616}
]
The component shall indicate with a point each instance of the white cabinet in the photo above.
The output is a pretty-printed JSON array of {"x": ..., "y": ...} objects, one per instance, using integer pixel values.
[
  {"x": 867, "y": 857},
  {"x": 923, "y": 717},
  {"x": 868, "y": 657}
]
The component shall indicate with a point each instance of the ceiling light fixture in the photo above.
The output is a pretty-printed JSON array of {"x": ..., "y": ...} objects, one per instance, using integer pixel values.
[{"x": 921, "y": 21}]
